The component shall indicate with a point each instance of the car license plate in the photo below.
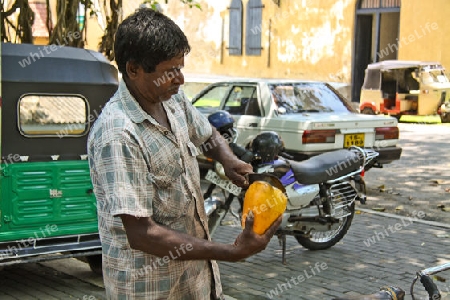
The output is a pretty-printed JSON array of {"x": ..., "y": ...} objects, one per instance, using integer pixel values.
[
  {"x": 227, "y": 185},
  {"x": 355, "y": 139}
]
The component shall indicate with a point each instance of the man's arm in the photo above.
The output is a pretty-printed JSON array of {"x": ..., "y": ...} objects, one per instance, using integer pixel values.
[
  {"x": 146, "y": 235},
  {"x": 217, "y": 148}
]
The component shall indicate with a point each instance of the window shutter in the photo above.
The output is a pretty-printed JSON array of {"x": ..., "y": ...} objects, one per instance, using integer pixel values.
[
  {"x": 253, "y": 28},
  {"x": 235, "y": 43}
]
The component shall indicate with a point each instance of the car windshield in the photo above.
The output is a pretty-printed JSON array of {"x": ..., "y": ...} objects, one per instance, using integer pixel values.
[{"x": 308, "y": 97}]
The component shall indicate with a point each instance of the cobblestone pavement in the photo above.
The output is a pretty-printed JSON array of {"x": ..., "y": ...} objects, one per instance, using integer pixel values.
[
  {"x": 377, "y": 251},
  {"x": 420, "y": 180},
  {"x": 38, "y": 281}
]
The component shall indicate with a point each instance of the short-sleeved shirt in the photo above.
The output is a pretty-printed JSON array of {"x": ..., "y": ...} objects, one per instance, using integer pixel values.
[{"x": 142, "y": 169}]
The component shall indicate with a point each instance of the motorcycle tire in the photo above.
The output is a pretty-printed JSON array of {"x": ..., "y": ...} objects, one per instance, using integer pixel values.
[{"x": 323, "y": 240}]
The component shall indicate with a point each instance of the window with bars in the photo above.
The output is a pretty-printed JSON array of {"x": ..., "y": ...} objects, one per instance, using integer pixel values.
[{"x": 379, "y": 3}]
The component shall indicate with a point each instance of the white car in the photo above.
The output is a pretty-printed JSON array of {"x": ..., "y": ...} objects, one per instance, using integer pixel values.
[{"x": 311, "y": 117}]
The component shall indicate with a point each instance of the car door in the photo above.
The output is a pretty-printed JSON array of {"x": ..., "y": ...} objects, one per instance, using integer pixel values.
[
  {"x": 211, "y": 99},
  {"x": 243, "y": 103}
]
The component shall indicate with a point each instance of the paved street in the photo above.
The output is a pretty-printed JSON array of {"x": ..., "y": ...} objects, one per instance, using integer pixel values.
[
  {"x": 370, "y": 256},
  {"x": 378, "y": 250},
  {"x": 420, "y": 179}
]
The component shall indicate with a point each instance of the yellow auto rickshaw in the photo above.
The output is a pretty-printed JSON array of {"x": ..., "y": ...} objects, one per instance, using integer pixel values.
[{"x": 396, "y": 88}]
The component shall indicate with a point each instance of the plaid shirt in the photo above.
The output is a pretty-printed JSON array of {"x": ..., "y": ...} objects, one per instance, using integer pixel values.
[{"x": 142, "y": 169}]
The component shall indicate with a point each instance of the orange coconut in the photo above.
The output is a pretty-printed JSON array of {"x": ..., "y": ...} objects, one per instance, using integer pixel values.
[{"x": 266, "y": 202}]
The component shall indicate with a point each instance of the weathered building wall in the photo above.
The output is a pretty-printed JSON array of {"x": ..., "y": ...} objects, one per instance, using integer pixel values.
[
  {"x": 300, "y": 39},
  {"x": 425, "y": 31},
  {"x": 306, "y": 39}
]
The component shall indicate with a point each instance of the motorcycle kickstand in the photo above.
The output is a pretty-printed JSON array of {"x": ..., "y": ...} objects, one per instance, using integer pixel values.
[
  {"x": 282, "y": 241},
  {"x": 362, "y": 192}
]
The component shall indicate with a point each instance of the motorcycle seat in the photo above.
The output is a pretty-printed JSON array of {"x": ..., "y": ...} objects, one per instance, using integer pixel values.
[{"x": 326, "y": 166}]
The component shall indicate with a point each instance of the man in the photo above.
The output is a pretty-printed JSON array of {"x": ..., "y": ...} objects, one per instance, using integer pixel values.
[{"x": 142, "y": 153}]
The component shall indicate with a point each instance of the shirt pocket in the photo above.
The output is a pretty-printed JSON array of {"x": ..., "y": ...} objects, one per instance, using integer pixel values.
[
  {"x": 169, "y": 203},
  {"x": 192, "y": 150},
  {"x": 166, "y": 174}
]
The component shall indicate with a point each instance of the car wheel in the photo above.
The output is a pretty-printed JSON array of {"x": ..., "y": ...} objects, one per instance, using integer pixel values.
[{"x": 367, "y": 111}]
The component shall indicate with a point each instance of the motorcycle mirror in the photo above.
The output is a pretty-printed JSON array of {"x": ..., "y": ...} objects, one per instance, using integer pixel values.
[{"x": 270, "y": 179}]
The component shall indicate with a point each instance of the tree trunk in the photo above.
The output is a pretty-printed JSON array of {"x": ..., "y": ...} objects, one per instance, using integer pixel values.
[
  {"x": 67, "y": 31},
  {"x": 106, "y": 45},
  {"x": 25, "y": 20}
]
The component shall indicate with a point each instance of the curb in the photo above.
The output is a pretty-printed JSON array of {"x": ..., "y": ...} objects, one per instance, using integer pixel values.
[{"x": 414, "y": 220}]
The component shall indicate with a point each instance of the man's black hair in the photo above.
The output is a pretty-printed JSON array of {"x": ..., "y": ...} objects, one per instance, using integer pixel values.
[{"x": 148, "y": 38}]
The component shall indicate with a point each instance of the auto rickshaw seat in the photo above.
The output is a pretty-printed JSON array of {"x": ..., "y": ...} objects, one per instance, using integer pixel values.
[
  {"x": 389, "y": 100},
  {"x": 412, "y": 97}
]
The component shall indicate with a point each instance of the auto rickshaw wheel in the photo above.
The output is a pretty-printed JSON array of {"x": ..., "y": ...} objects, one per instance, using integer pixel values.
[
  {"x": 95, "y": 263},
  {"x": 398, "y": 117},
  {"x": 445, "y": 118},
  {"x": 367, "y": 111}
]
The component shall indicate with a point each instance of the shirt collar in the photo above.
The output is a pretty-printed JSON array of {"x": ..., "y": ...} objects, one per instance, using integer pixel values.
[{"x": 131, "y": 106}]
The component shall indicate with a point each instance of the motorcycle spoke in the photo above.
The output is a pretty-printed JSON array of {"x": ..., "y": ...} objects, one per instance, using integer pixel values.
[{"x": 325, "y": 236}]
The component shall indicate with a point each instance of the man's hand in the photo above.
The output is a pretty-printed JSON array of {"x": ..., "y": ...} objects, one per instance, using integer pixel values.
[
  {"x": 249, "y": 243},
  {"x": 236, "y": 170}
]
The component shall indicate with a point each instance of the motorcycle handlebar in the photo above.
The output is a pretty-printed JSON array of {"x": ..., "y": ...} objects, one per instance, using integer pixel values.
[
  {"x": 242, "y": 153},
  {"x": 248, "y": 156},
  {"x": 287, "y": 156},
  {"x": 430, "y": 287}
]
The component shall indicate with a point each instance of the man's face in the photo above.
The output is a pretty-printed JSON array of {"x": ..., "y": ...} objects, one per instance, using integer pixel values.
[{"x": 160, "y": 85}]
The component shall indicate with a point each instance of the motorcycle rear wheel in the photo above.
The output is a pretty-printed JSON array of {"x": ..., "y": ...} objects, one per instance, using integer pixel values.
[{"x": 321, "y": 240}]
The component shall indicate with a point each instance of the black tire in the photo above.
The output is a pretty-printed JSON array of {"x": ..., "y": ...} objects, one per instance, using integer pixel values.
[
  {"x": 398, "y": 117},
  {"x": 95, "y": 263},
  {"x": 367, "y": 111},
  {"x": 445, "y": 118},
  {"x": 323, "y": 240}
]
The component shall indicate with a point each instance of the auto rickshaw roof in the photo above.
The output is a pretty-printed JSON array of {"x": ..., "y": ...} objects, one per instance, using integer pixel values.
[
  {"x": 55, "y": 64},
  {"x": 403, "y": 64}
]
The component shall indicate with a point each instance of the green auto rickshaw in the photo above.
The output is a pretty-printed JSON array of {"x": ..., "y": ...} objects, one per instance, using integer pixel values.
[{"x": 50, "y": 96}]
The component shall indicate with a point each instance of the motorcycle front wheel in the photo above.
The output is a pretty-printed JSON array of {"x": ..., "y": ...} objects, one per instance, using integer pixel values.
[{"x": 321, "y": 240}]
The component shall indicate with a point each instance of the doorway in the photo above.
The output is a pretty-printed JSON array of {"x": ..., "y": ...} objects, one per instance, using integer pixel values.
[{"x": 376, "y": 37}]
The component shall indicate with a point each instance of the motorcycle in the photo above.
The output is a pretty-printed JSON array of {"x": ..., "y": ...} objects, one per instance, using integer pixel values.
[
  {"x": 321, "y": 191},
  {"x": 393, "y": 292}
]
